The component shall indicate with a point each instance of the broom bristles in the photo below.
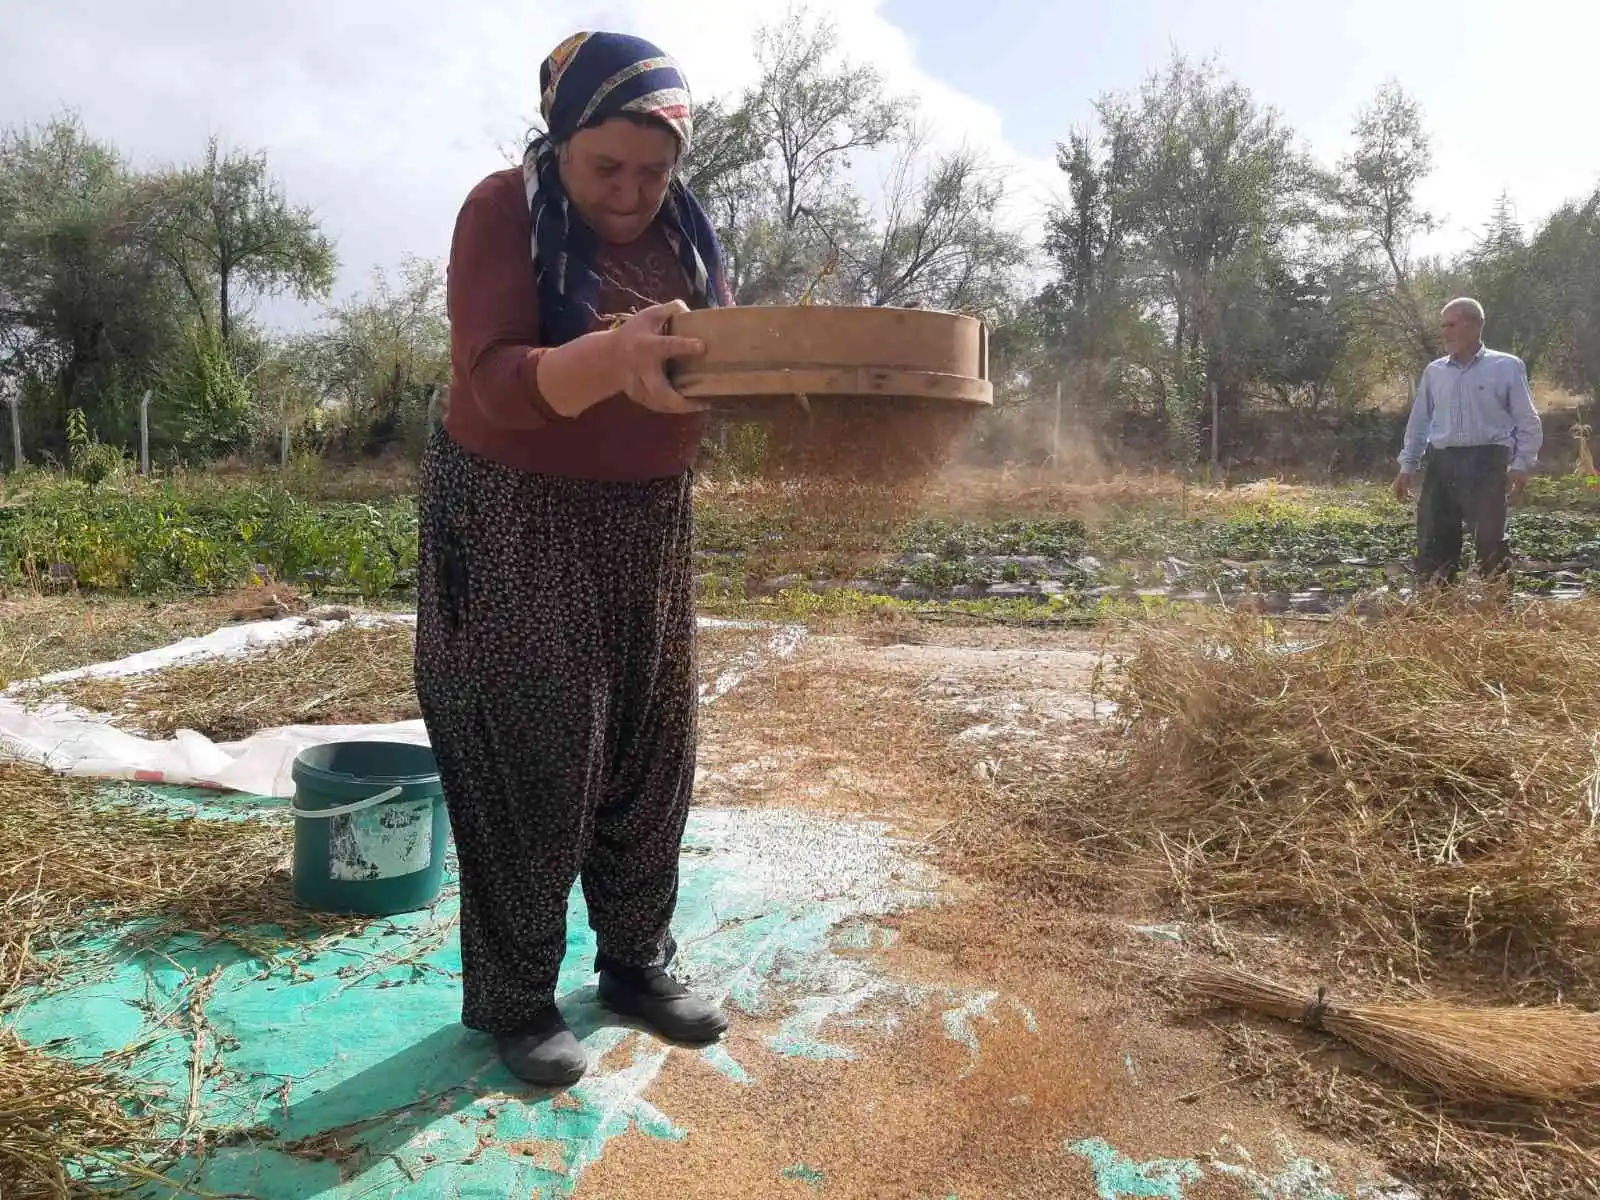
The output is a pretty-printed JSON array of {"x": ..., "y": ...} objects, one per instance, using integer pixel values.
[{"x": 1546, "y": 1054}]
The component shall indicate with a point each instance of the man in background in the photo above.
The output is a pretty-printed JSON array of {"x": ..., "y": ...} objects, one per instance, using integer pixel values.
[{"x": 1474, "y": 418}]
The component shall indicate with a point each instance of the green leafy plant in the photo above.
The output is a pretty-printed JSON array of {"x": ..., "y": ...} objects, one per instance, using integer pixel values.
[
  {"x": 89, "y": 459},
  {"x": 148, "y": 538},
  {"x": 202, "y": 407}
]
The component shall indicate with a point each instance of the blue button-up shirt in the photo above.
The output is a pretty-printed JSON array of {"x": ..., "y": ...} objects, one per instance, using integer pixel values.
[{"x": 1484, "y": 401}]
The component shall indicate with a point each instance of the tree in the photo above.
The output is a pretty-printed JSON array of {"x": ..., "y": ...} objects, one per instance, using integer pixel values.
[
  {"x": 789, "y": 214},
  {"x": 286, "y": 384},
  {"x": 1096, "y": 311},
  {"x": 87, "y": 315},
  {"x": 227, "y": 230},
  {"x": 202, "y": 410},
  {"x": 1296, "y": 344},
  {"x": 941, "y": 243},
  {"x": 722, "y": 161},
  {"x": 726, "y": 168},
  {"x": 1213, "y": 176},
  {"x": 1565, "y": 257},
  {"x": 385, "y": 354},
  {"x": 1500, "y": 272},
  {"x": 1177, "y": 213},
  {"x": 815, "y": 109},
  {"x": 1377, "y": 189},
  {"x": 1084, "y": 238}
]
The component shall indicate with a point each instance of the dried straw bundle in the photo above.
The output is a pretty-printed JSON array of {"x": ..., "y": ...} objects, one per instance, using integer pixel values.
[
  {"x": 1547, "y": 1055},
  {"x": 1428, "y": 782},
  {"x": 354, "y": 675}
]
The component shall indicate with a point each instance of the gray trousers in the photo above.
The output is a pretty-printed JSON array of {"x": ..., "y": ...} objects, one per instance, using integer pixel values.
[{"x": 1462, "y": 485}]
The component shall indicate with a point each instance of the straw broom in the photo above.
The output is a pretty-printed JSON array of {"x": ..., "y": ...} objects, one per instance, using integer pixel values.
[{"x": 1547, "y": 1054}]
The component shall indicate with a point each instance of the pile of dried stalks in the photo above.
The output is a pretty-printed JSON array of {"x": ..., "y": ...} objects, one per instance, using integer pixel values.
[
  {"x": 354, "y": 675},
  {"x": 50, "y": 1109},
  {"x": 41, "y": 634},
  {"x": 1426, "y": 784},
  {"x": 74, "y": 864},
  {"x": 71, "y": 860},
  {"x": 1419, "y": 792}
]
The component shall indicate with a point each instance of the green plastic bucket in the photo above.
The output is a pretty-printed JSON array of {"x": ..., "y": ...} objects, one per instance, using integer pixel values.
[{"x": 370, "y": 828}]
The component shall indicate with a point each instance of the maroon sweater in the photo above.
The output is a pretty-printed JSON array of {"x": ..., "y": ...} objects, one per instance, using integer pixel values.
[{"x": 495, "y": 408}]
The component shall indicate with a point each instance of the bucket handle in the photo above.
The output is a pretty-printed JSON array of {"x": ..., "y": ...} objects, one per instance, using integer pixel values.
[{"x": 344, "y": 810}]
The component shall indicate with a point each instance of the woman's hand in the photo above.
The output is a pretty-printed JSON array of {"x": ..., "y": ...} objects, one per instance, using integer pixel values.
[{"x": 644, "y": 348}]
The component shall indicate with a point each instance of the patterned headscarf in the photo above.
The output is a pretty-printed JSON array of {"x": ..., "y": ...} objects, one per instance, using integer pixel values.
[{"x": 589, "y": 78}]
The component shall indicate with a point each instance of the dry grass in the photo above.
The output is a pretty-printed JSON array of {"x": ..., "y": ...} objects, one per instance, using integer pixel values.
[
  {"x": 75, "y": 862},
  {"x": 50, "y": 1108},
  {"x": 840, "y": 506},
  {"x": 43, "y": 634},
  {"x": 1412, "y": 800},
  {"x": 75, "y": 865},
  {"x": 1549, "y": 397},
  {"x": 1026, "y": 491},
  {"x": 40, "y": 635},
  {"x": 1423, "y": 785},
  {"x": 1546, "y": 1055},
  {"x": 354, "y": 675},
  {"x": 351, "y": 675}
]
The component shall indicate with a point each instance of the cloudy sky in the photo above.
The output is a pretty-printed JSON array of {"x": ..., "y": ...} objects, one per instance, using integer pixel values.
[{"x": 383, "y": 113}]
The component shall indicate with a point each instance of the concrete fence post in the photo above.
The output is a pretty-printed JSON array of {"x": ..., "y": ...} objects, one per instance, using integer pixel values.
[
  {"x": 144, "y": 433},
  {"x": 14, "y": 401}
]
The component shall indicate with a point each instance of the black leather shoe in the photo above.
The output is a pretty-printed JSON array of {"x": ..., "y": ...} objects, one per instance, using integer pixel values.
[
  {"x": 655, "y": 999},
  {"x": 544, "y": 1053}
]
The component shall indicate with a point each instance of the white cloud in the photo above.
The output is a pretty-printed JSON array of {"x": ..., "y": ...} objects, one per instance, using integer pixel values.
[{"x": 381, "y": 114}]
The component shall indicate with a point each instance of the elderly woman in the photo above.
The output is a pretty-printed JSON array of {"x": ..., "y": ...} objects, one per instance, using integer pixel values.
[{"x": 555, "y": 631}]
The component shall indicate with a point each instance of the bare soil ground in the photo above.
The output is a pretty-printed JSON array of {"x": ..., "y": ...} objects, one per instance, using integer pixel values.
[{"x": 910, "y": 726}]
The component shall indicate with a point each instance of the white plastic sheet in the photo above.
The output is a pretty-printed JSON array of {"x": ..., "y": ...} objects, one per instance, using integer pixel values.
[{"x": 75, "y": 742}]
